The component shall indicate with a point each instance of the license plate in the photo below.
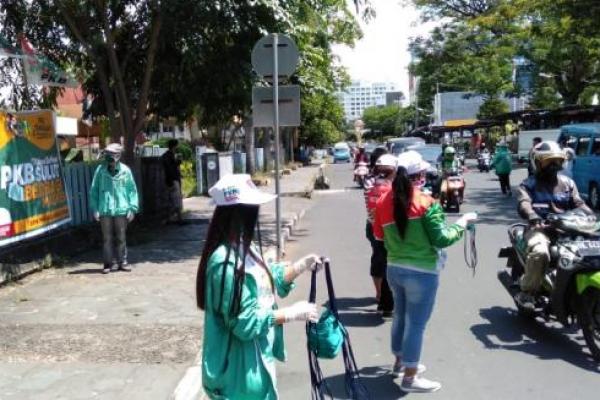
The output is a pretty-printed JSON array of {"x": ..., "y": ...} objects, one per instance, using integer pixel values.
[{"x": 589, "y": 248}]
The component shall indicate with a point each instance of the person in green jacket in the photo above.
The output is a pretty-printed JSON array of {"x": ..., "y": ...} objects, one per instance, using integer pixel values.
[
  {"x": 114, "y": 202},
  {"x": 413, "y": 228},
  {"x": 236, "y": 288},
  {"x": 502, "y": 162}
]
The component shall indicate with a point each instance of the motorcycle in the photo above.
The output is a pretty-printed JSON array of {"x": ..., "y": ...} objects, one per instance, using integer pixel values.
[
  {"x": 452, "y": 190},
  {"x": 360, "y": 173},
  {"x": 571, "y": 286},
  {"x": 484, "y": 162}
]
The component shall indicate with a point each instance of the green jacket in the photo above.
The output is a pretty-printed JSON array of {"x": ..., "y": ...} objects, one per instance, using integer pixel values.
[
  {"x": 426, "y": 233},
  {"x": 239, "y": 352},
  {"x": 449, "y": 165},
  {"x": 113, "y": 195},
  {"x": 502, "y": 162}
]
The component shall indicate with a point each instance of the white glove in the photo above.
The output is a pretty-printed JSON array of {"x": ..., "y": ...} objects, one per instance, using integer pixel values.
[
  {"x": 130, "y": 216},
  {"x": 311, "y": 262},
  {"x": 97, "y": 216},
  {"x": 466, "y": 219},
  {"x": 301, "y": 311}
]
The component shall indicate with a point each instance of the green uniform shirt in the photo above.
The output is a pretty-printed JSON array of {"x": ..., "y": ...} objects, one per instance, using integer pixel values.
[
  {"x": 239, "y": 352},
  {"x": 426, "y": 233},
  {"x": 113, "y": 195},
  {"x": 502, "y": 162}
]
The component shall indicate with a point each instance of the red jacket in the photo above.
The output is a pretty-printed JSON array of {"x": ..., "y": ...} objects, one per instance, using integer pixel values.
[{"x": 373, "y": 193}]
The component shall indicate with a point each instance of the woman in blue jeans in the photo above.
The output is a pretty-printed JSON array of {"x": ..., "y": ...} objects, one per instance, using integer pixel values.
[{"x": 413, "y": 228}]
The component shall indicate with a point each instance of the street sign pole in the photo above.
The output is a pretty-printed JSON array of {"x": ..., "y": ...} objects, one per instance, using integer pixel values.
[
  {"x": 276, "y": 56},
  {"x": 276, "y": 132}
]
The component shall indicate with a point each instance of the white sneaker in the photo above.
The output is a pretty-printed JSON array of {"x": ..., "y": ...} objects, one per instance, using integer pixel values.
[
  {"x": 398, "y": 370},
  {"x": 420, "y": 385}
]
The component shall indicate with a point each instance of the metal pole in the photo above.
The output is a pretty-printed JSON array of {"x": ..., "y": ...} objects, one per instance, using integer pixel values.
[{"x": 276, "y": 131}]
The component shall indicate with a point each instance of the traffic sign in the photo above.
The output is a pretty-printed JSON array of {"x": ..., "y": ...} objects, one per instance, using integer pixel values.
[
  {"x": 287, "y": 53},
  {"x": 263, "y": 107}
]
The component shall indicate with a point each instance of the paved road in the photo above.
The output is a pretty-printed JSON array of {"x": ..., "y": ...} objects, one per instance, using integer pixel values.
[{"x": 475, "y": 343}]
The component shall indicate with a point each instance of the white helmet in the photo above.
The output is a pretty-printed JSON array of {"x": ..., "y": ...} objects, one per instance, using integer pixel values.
[
  {"x": 547, "y": 152},
  {"x": 387, "y": 160}
]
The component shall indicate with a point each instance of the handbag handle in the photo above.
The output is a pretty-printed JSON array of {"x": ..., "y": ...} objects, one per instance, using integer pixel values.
[{"x": 312, "y": 297}]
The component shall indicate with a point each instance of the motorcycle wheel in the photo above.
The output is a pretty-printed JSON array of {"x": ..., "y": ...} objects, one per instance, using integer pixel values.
[{"x": 588, "y": 315}]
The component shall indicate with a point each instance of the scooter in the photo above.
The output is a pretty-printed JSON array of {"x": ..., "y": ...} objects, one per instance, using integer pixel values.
[
  {"x": 571, "y": 285},
  {"x": 452, "y": 190},
  {"x": 360, "y": 173},
  {"x": 484, "y": 162}
]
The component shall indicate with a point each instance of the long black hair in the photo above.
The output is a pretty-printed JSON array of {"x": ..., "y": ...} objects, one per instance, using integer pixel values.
[
  {"x": 378, "y": 152},
  {"x": 234, "y": 227},
  {"x": 403, "y": 192}
]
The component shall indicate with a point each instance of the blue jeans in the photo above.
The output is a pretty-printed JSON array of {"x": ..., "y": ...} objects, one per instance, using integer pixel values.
[{"x": 414, "y": 297}]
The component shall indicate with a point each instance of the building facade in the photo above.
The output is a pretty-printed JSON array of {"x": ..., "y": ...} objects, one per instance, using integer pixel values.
[{"x": 360, "y": 95}]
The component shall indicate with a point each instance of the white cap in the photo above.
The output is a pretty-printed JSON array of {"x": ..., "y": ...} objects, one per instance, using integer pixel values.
[
  {"x": 114, "y": 148},
  {"x": 387, "y": 160},
  {"x": 234, "y": 189},
  {"x": 413, "y": 162}
]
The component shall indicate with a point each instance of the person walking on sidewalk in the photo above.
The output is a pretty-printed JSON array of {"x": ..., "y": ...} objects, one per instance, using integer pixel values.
[
  {"x": 114, "y": 202},
  {"x": 171, "y": 164},
  {"x": 503, "y": 164},
  {"x": 413, "y": 228},
  {"x": 236, "y": 288},
  {"x": 383, "y": 175}
]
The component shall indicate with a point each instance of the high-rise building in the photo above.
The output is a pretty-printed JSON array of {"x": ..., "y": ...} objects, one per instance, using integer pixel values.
[{"x": 360, "y": 95}]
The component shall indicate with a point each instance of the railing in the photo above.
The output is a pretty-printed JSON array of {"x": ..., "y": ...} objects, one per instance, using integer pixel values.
[{"x": 78, "y": 180}]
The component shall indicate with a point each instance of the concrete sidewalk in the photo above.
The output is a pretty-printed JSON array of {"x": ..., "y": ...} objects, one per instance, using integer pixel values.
[{"x": 74, "y": 333}]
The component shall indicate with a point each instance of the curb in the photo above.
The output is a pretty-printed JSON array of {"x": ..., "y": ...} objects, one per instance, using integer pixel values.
[{"x": 190, "y": 385}]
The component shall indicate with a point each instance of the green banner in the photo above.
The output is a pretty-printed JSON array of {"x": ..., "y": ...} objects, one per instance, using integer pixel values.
[{"x": 32, "y": 190}]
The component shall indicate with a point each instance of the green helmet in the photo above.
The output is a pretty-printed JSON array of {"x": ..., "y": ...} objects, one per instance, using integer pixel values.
[{"x": 449, "y": 151}]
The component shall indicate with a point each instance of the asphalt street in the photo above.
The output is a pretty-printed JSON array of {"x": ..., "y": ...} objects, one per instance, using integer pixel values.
[{"x": 475, "y": 344}]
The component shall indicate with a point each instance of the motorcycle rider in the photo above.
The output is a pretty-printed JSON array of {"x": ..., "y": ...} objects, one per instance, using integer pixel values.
[
  {"x": 448, "y": 164},
  {"x": 361, "y": 156},
  {"x": 544, "y": 192}
]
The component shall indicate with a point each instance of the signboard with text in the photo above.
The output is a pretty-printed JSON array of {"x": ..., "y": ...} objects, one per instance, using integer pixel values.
[{"x": 32, "y": 190}]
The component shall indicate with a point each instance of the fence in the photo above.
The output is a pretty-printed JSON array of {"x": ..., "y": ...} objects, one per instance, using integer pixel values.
[{"x": 78, "y": 180}]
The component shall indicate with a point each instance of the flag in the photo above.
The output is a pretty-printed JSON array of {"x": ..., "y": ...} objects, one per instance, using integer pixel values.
[{"x": 41, "y": 71}]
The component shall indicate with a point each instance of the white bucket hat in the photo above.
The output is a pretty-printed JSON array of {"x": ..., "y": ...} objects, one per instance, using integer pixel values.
[
  {"x": 413, "y": 162},
  {"x": 234, "y": 189},
  {"x": 387, "y": 160}
]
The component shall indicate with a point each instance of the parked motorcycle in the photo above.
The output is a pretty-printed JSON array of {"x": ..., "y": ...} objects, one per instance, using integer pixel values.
[
  {"x": 571, "y": 287},
  {"x": 360, "y": 173},
  {"x": 484, "y": 162},
  {"x": 452, "y": 190}
]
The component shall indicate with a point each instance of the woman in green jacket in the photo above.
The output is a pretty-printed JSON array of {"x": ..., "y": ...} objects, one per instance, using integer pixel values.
[
  {"x": 413, "y": 228},
  {"x": 236, "y": 288}
]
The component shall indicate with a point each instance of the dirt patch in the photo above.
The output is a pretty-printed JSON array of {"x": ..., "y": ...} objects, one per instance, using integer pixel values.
[{"x": 144, "y": 344}]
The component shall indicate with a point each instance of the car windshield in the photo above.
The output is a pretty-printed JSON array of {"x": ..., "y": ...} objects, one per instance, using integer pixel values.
[{"x": 429, "y": 154}]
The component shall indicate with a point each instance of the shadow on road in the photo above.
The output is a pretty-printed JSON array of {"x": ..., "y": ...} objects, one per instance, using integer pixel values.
[
  {"x": 355, "y": 312},
  {"x": 378, "y": 380},
  {"x": 506, "y": 330},
  {"x": 496, "y": 209}
]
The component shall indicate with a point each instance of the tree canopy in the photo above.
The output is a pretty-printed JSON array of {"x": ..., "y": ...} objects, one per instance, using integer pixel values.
[
  {"x": 479, "y": 42},
  {"x": 175, "y": 58}
]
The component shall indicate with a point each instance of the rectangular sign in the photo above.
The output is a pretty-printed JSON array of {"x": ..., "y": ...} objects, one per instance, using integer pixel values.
[
  {"x": 289, "y": 106},
  {"x": 33, "y": 199}
]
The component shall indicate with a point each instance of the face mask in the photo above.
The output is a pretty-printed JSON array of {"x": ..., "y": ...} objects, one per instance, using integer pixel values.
[
  {"x": 419, "y": 183},
  {"x": 550, "y": 172}
]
